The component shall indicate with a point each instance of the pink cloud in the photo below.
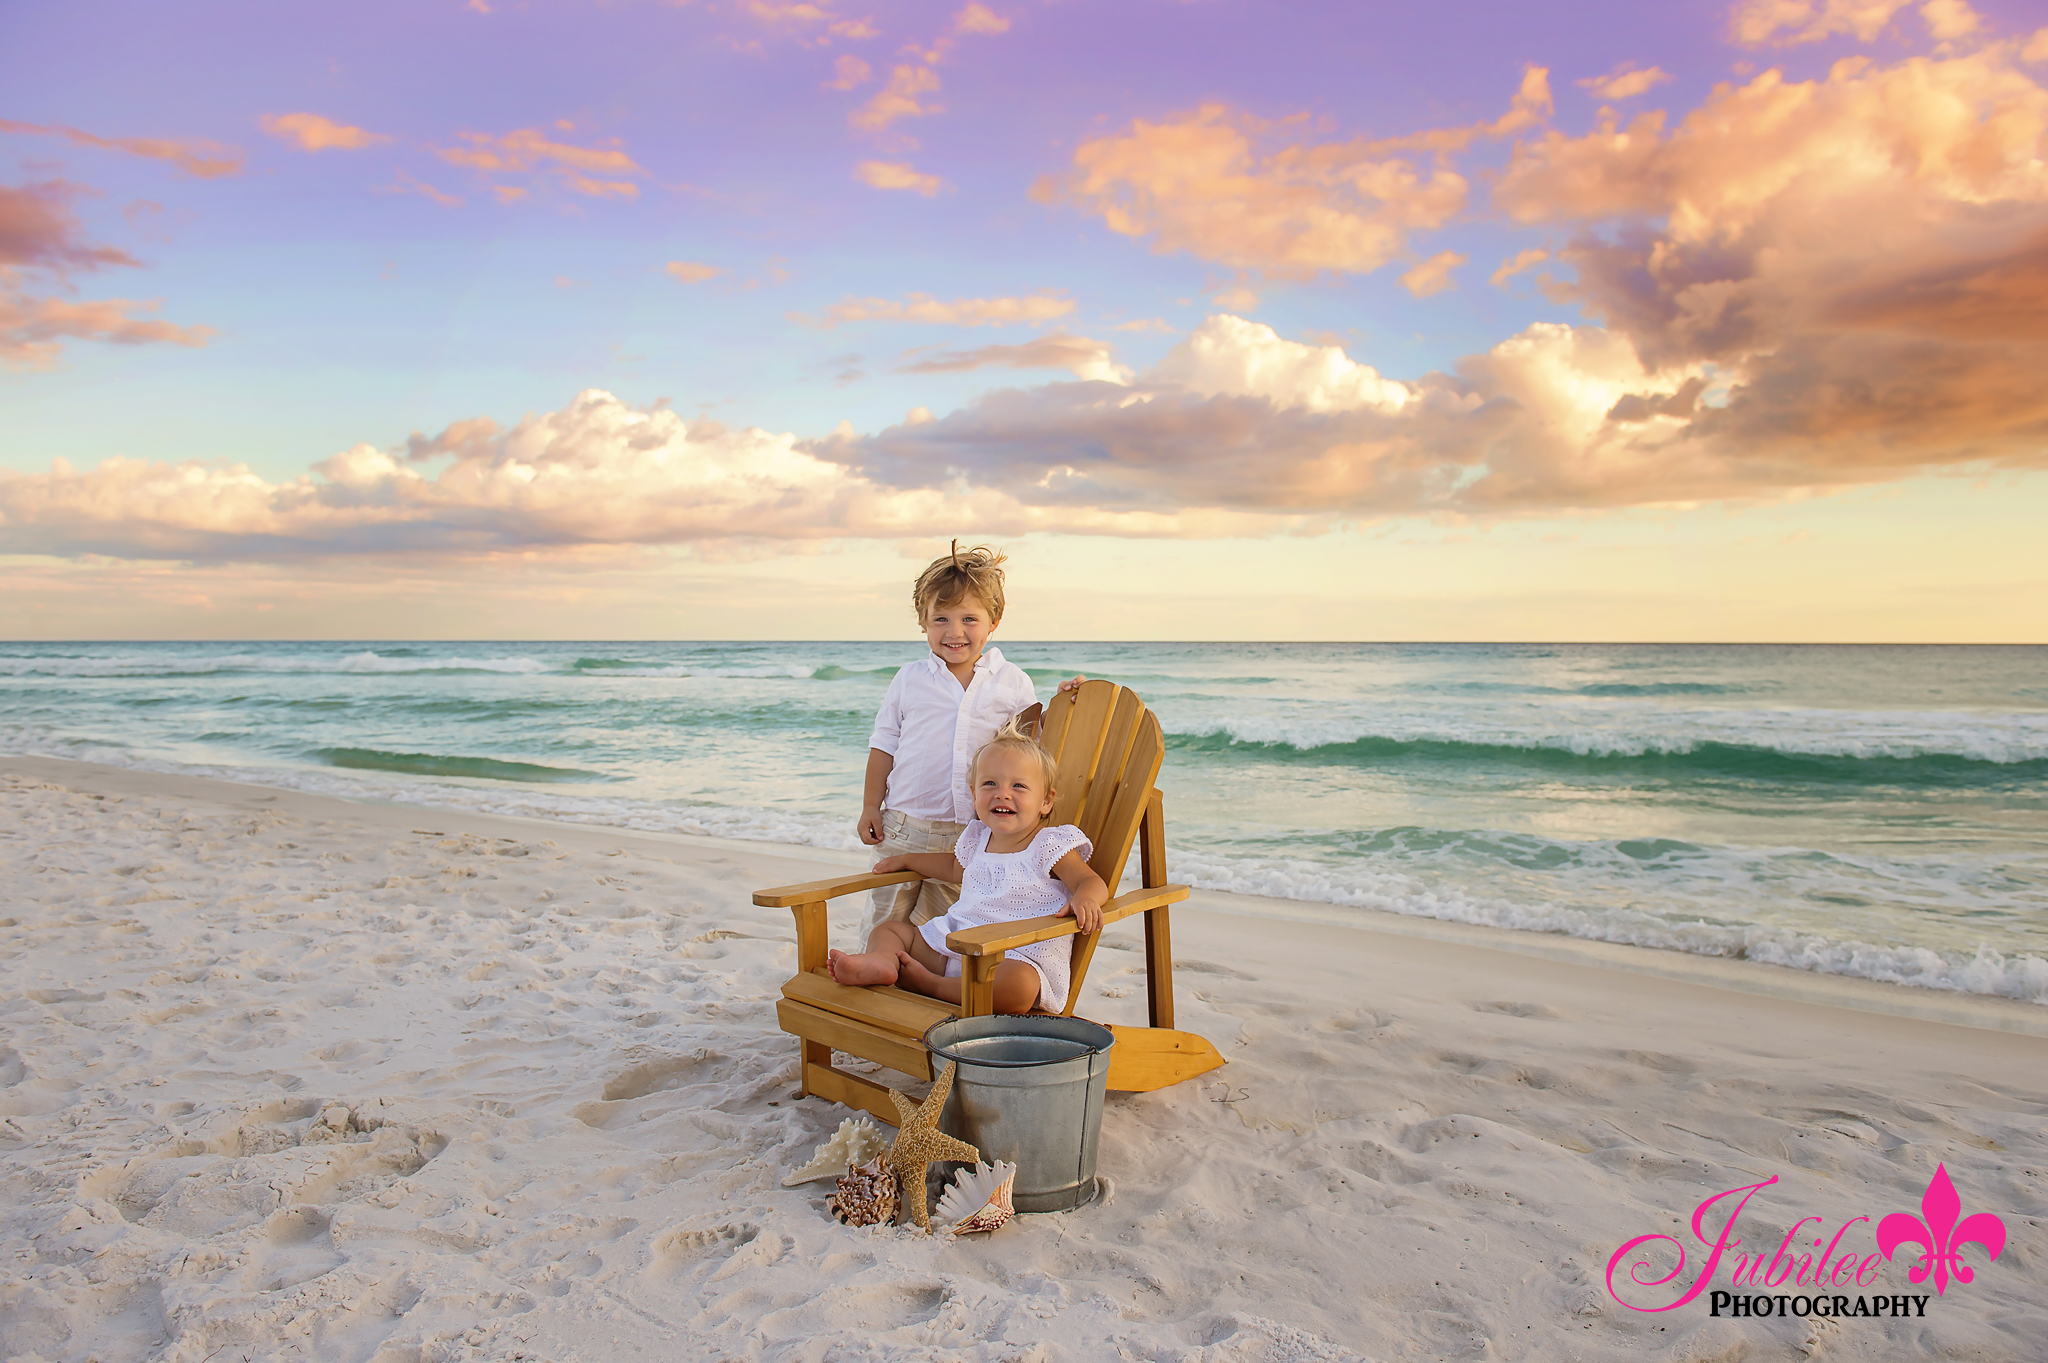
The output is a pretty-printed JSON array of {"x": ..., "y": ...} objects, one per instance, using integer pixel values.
[
  {"x": 311, "y": 132},
  {"x": 194, "y": 156},
  {"x": 1239, "y": 297},
  {"x": 902, "y": 97},
  {"x": 32, "y": 329},
  {"x": 960, "y": 312},
  {"x": 849, "y": 71},
  {"x": 39, "y": 231},
  {"x": 1905, "y": 202},
  {"x": 1228, "y": 188},
  {"x": 1520, "y": 261},
  {"x": 1950, "y": 19},
  {"x": 979, "y": 18},
  {"x": 896, "y": 175},
  {"x": 593, "y": 171},
  {"x": 690, "y": 272},
  {"x": 1433, "y": 276},
  {"x": 1200, "y": 184},
  {"x": 1083, "y": 358},
  {"x": 911, "y": 83},
  {"x": 1624, "y": 82},
  {"x": 403, "y": 183},
  {"x": 791, "y": 12},
  {"x": 1787, "y": 23},
  {"x": 811, "y": 25},
  {"x": 40, "y": 236}
]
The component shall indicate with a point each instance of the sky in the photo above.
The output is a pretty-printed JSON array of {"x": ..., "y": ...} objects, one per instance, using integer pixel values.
[{"x": 718, "y": 319}]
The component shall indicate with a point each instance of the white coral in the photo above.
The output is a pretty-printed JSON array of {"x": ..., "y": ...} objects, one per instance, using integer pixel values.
[{"x": 855, "y": 1142}]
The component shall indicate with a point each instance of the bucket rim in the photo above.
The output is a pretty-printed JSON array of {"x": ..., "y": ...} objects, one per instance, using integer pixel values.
[{"x": 1089, "y": 1051}]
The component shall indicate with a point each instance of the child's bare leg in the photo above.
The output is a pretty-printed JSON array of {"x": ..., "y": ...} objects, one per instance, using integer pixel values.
[
  {"x": 876, "y": 965},
  {"x": 919, "y": 960},
  {"x": 1016, "y": 982}
]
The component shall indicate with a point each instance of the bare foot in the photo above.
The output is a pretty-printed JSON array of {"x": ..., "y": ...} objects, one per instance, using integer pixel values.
[
  {"x": 861, "y": 968},
  {"x": 911, "y": 974}
]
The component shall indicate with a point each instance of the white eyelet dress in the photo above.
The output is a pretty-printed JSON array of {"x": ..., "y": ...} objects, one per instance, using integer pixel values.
[{"x": 1002, "y": 887}]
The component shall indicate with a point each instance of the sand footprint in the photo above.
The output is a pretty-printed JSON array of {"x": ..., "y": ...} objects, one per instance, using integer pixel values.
[
  {"x": 282, "y": 1157},
  {"x": 1211, "y": 968},
  {"x": 1518, "y": 1010}
]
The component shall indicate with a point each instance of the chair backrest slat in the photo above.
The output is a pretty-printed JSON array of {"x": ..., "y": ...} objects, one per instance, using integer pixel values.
[
  {"x": 1052, "y": 723},
  {"x": 1109, "y": 749},
  {"x": 1075, "y": 725},
  {"x": 1093, "y": 816},
  {"x": 1123, "y": 796}
]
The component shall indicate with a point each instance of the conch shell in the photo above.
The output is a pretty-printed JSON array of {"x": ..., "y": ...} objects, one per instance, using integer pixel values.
[
  {"x": 867, "y": 1194},
  {"x": 855, "y": 1142},
  {"x": 978, "y": 1200}
]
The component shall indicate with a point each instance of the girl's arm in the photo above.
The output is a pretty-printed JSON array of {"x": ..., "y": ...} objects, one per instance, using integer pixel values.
[
  {"x": 1085, "y": 890},
  {"x": 931, "y": 865}
]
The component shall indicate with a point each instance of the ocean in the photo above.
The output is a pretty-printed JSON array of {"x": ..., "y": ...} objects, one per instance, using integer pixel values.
[{"x": 1875, "y": 811}]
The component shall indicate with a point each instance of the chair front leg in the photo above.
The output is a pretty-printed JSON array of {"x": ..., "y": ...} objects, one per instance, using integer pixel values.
[
  {"x": 811, "y": 940},
  {"x": 811, "y": 945},
  {"x": 809, "y": 1053},
  {"x": 978, "y": 984},
  {"x": 1158, "y": 968}
]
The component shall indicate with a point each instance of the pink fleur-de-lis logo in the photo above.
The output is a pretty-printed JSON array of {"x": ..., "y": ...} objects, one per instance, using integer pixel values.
[{"x": 1942, "y": 1237}]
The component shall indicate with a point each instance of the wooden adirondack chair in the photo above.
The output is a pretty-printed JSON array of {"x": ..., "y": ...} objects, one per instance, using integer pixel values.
[{"x": 1109, "y": 749}]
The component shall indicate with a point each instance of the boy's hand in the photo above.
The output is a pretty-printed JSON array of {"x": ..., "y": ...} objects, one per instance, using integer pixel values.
[
  {"x": 888, "y": 864},
  {"x": 1086, "y": 912},
  {"x": 1072, "y": 683},
  {"x": 870, "y": 826}
]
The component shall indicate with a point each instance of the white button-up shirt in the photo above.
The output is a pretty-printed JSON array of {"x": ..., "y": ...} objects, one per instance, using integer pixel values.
[{"x": 933, "y": 727}]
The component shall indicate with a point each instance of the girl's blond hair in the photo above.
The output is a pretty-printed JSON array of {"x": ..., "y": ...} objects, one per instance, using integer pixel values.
[{"x": 1013, "y": 735}]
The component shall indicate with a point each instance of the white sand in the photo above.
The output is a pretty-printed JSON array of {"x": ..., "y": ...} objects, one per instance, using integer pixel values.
[{"x": 559, "y": 1112}]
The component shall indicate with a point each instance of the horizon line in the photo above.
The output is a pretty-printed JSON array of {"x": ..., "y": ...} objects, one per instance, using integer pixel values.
[{"x": 1333, "y": 643}]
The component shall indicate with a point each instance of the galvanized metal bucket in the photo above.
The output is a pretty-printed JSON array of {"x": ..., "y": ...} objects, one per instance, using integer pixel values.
[{"x": 1029, "y": 1090}]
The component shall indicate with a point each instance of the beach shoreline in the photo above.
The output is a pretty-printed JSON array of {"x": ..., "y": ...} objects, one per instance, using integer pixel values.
[
  {"x": 565, "y": 1112},
  {"x": 1748, "y": 977}
]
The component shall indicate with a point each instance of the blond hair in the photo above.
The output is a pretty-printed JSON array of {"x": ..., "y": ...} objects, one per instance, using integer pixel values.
[
  {"x": 954, "y": 576},
  {"x": 1014, "y": 736}
]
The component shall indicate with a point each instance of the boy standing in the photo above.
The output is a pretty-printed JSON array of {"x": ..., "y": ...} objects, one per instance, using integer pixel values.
[{"x": 937, "y": 714}]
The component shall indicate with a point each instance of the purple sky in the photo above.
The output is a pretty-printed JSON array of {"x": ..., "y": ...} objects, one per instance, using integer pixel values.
[{"x": 1095, "y": 276}]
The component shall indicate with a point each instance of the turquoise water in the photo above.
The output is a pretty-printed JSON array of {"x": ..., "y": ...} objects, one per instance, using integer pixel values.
[{"x": 1875, "y": 811}]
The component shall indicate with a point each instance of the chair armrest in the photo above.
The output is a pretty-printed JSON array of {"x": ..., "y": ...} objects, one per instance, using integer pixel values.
[
  {"x": 816, "y": 891},
  {"x": 1023, "y": 932}
]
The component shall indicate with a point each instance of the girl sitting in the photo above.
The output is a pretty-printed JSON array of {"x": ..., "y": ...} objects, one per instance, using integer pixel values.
[{"x": 1009, "y": 864}]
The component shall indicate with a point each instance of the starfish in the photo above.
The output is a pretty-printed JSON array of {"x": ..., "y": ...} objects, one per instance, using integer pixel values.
[{"x": 919, "y": 1142}]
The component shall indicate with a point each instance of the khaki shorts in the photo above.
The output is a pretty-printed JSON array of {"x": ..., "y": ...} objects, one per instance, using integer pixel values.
[{"x": 923, "y": 900}]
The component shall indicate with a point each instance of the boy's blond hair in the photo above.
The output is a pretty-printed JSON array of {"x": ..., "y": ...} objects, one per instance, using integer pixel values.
[
  {"x": 1014, "y": 735},
  {"x": 952, "y": 577}
]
